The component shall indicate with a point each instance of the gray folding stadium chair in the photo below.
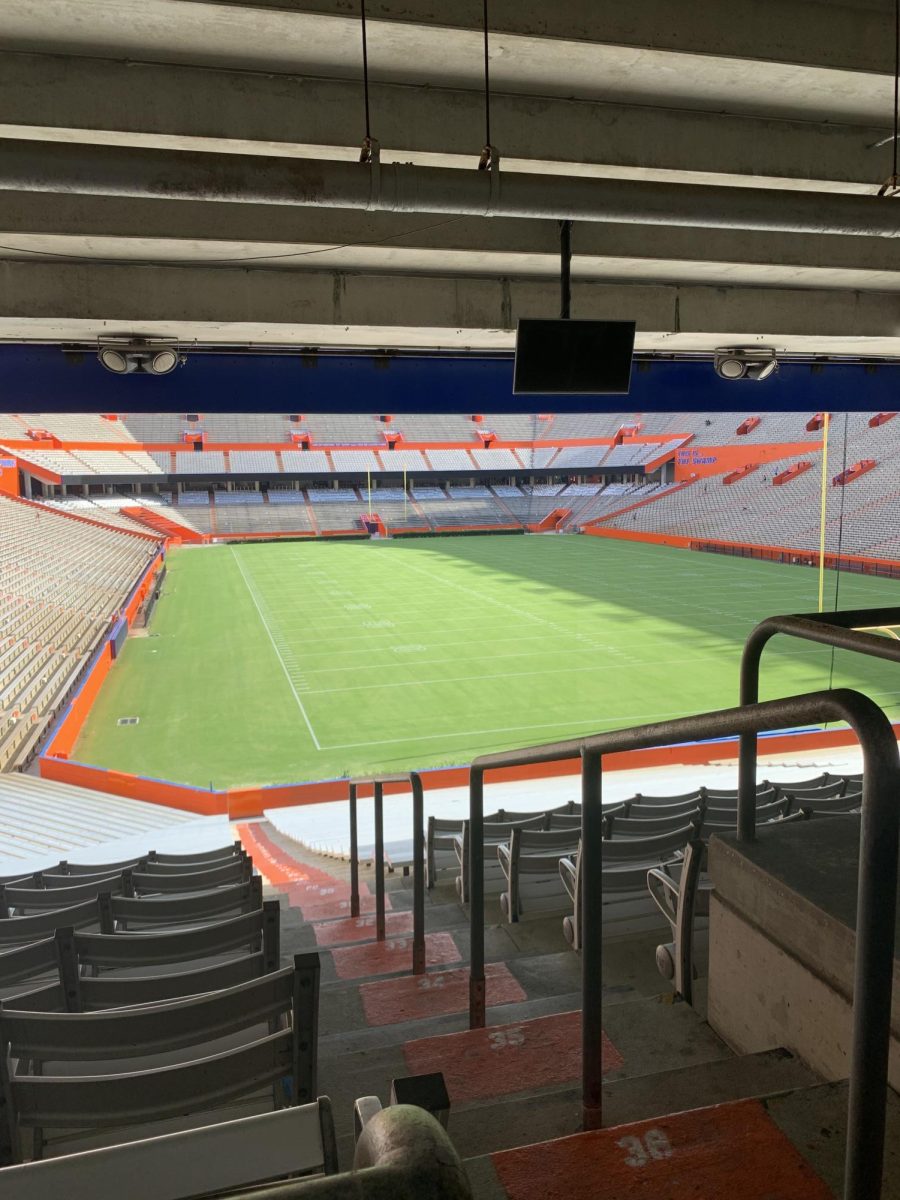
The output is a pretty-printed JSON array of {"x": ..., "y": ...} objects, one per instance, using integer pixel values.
[
  {"x": 255, "y": 931},
  {"x": 83, "y": 991},
  {"x": 192, "y": 866},
  {"x": 19, "y": 931},
  {"x": 639, "y": 827},
  {"x": 725, "y": 819},
  {"x": 624, "y": 894},
  {"x": 495, "y": 832},
  {"x": 97, "y": 869},
  {"x": 195, "y": 881},
  {"x": 440, "y": 837},
  {"x": 87, "y": 1102},
  {"x": 20, "y": 967},
  {"x": 534, "y": 855},
  {"x": 53, "y": 880},
  {"x": 682, "y": 896},
  {"x": 235, "y": 850},
  {"x": 19, "y": 901},
  {"x": 118, "y": 913},
  {"x": 291, "y": 1143},
  {"x": 649, "y": 850},
  {"x": 846, "y": 803}
]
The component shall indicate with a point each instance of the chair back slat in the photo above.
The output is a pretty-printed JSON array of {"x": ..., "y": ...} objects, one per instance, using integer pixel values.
[
  {"x": 158, "y": 949},
  {"x": 147, "y": 1029},
  {"x": 112, "y": 991},
  {"x": 88, "y": 1102},
  {"x": 184, "y": 910},
  {"x": 98, "y": 869},
  {"x": 25, "y": 900},
  {"x": 27, "y": 962},
  {"x": 647, "y": 850},
  {"x": 233, "y": 851},
  {"x": 195, "y": 881},
  {"x": 17, "y": 931}
]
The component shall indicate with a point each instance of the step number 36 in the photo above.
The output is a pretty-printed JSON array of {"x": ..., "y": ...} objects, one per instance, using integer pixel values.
[{"x": 641, "y": 1151}]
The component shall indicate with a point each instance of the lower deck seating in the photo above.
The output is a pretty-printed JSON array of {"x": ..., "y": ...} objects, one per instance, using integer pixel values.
[{"x": 63, "y": 583}]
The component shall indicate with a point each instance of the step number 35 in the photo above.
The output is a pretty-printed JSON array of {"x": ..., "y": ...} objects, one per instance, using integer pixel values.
[{"x": 641, "y": 1151}]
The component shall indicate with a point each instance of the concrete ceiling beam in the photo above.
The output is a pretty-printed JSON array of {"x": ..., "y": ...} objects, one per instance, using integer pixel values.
[
  {"x": 89, "y": 99},
  {"x": 89, "y": 226},
  {"x": 41, "y": 167},
  {"x": 122, "y": 298}
]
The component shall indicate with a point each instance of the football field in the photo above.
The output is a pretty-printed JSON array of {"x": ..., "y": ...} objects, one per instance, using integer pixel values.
[{"x": 273, "y": 663}]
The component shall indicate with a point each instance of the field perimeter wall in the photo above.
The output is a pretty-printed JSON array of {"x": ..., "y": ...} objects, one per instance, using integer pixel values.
[
  {"x": 858, "y": 563},
  {"x": 240, "y": 803}
]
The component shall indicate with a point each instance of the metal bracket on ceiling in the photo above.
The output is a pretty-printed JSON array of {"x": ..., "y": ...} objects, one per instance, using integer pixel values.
[
  {"x": 490, "y": 161},
  {"x": 370, "y": 156}
]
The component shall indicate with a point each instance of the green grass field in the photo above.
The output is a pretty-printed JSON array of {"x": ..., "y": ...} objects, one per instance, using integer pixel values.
[{"x": 273, "y": 663}]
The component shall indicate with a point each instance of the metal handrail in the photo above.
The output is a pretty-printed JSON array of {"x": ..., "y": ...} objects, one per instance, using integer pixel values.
[
  {"x": 377, "y": 783},
  {"x": 403, "y": 1154},
  {"x": 877, "y": 879},
  {"x": 836, "y": 629}
]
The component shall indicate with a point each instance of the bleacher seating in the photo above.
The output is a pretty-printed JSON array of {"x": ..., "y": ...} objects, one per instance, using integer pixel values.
[
  {"x": 450, "y": 460},
  {"x": 63, "y": 581},
  {"x": 243, "y": 496},
  {"x": 332, "y": 495},
  {"x": 200, "y": 462},
  {"x": 354, "y": 460},
  {"x": 253, "y": 462},
  {"x": 305, "y": 462},
  {"x": 411, "y": 461},
  {"x": 496, "y": 460}
]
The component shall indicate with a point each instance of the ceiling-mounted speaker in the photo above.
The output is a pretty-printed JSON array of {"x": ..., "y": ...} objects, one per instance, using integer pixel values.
[
  {"x": 126, "y": 356},
  {"x": 573, "y": 358}
]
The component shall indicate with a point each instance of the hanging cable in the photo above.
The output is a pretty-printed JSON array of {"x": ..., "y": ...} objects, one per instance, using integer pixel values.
[
  {"x": 487, "y": 152},
  {"x": 890, "y": 187},
  {"x": 840, "y": 542},
  {"x": 365, "y": 154}
]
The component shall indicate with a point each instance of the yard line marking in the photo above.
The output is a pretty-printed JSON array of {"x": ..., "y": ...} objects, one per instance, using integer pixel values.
[
  {"x": 615, "y": 666},
  {"x": 287, "y": 674},
  {"x": 595, "y": 727}
]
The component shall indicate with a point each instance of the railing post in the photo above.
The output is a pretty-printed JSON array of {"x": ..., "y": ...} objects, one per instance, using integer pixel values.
[
  {"x": 591, "y": 938},
  {"x": 873, "y": 973},
  {"x": 354, "y": 855},
  {"x": 418, "y": 964},
  {"x": 477, "y": 997},
  {"x": 747, "y": 754},
  {"x": 379, "y": 862}
]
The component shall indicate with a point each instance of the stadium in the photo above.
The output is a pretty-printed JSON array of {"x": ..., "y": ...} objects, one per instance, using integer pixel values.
[{"x": 449, "y": 611}]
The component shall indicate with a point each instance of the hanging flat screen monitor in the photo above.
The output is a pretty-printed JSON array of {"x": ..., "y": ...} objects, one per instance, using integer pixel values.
[{"x": 573, "y": 358}]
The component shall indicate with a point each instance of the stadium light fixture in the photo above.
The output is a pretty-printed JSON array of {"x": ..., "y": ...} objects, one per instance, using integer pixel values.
[
  {"x": 756, "y": 363},
  {"x": 139, "y": 356}
]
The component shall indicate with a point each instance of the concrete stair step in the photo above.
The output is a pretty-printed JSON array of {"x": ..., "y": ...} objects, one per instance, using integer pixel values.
[
  {"x": 552, "y": 1114},
  {"x": 520, "y": 1057},
  {"x": 405, "y": 1002},
  {"x": 789, "y": 1145}
]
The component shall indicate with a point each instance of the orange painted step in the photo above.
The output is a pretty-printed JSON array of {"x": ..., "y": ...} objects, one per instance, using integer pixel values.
[
  {"x": 480, "y": 1063},
  {"x": 381, "y": 958},
  {"x": 729, "y": 1152},
  {"x": 323, "y": 909},
  {"x": 390, "y": 1001},
  {"x": 279, "y": 867},
  {"x": 361, "y": 929}
]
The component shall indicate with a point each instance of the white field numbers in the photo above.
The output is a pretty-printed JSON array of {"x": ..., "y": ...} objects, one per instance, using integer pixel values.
[{"x": 640, "y": 1151}]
